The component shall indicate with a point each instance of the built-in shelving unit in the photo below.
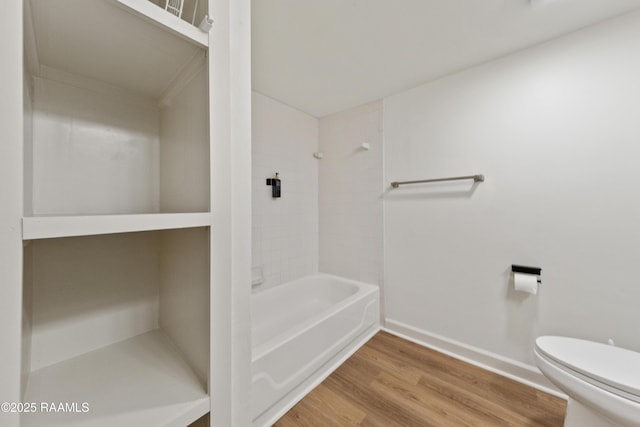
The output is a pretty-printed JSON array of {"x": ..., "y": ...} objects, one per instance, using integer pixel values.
[{"x": 117, "y": 217}]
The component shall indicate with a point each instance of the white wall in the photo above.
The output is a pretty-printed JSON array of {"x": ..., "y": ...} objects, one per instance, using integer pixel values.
[
  {"x": 556, "y": 131},
  {"x": 184, "y": 291},
  {"x": 90, "y": 292},
  {"x": 184, "y": 149},
  {"x": 350, "y": 193},
  {"x": 93, "y": 153},
  {"x": 285, "y": 229}
]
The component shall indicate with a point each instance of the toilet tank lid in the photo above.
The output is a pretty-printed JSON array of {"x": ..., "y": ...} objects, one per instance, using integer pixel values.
[{"x": 613, "y": 366}]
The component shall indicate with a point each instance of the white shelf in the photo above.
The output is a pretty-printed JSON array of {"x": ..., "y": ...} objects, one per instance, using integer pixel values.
[
  {"x": 142, "y": 381},
  {"x": 46, "y": 227},
  {"x": 129, "y": 44}
]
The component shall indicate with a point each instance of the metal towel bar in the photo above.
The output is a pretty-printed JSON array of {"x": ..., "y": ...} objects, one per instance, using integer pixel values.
[{"x": 475, "y": 178}]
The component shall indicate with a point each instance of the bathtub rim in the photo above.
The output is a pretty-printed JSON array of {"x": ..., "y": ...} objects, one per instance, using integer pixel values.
[{"x": 364, "y": 290}]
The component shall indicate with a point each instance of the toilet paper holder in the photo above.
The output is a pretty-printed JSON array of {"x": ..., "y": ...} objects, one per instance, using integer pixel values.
[{"x": 527, "y": 270}]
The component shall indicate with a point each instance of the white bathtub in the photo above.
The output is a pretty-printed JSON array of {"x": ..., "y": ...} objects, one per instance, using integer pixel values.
[{"x": 301, "y": 331}]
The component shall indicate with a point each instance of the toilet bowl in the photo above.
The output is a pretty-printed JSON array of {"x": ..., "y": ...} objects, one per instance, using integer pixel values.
[{"x": 602, "y": 381}]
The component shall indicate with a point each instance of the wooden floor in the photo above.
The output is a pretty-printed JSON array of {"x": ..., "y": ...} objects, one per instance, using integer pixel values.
[{"x": 393, "y": 382}]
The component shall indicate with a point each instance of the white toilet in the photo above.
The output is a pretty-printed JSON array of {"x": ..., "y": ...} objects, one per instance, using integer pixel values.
[{"x": 602, "y": 381}]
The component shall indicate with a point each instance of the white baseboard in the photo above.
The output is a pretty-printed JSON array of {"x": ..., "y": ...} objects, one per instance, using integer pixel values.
[{"x": 512, "y": 369}]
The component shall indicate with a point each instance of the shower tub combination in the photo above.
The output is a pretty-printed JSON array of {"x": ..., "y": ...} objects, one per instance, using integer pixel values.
[{"x": 301, "y": 331}]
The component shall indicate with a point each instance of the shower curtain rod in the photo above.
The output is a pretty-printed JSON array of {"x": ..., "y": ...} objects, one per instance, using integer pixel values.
[{"x": 475, "y": 178}]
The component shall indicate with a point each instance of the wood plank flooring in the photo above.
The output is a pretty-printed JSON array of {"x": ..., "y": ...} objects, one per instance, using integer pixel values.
[{"x": 391, "y": 382}]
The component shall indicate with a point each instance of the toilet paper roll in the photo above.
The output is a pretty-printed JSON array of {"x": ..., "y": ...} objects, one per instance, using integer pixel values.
[{"x": 526, "y": 283}]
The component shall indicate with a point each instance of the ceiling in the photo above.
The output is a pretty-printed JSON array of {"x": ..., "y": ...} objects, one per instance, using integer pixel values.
[{"x": 325, "y": 56}]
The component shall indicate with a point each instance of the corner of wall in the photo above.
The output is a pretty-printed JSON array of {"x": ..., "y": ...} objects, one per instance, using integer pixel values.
[{"x": 350, "y": 189}]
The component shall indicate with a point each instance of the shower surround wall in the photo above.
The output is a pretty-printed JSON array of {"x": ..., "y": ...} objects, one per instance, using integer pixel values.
[
  {"x": 350, "y": 194},
  {"x": 555, "y": 130},
  {"x": 329, "y": 217},
  {"x": 285, "y": 230}
]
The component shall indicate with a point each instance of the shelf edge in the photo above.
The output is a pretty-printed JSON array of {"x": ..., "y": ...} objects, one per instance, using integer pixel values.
[
  {"x": 158, "y": 16},
  {"x": 46, "y": 227}
]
